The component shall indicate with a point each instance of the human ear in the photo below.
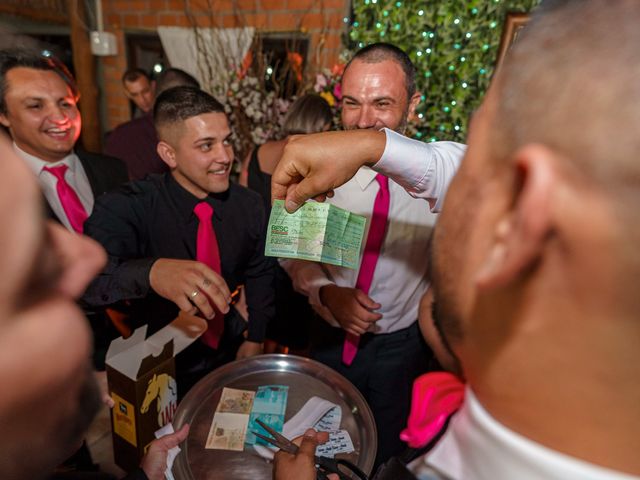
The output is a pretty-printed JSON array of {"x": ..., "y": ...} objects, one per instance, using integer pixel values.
[
  {"x": 520, "y": 235},
  {"x": 4, "y": 121},
  {"x": 414, "y": 101},
  {"x": 167, "y": 153}
]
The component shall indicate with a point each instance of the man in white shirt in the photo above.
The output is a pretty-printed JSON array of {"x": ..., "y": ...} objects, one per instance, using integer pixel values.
[
  {"x": 535, "y": 255},
  {"x": 378, "y": 90}
]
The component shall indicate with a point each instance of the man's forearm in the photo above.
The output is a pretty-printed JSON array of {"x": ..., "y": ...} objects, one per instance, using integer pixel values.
[
  {"x": 120, "y": 280},
  {"x": 424, "y": 170}
]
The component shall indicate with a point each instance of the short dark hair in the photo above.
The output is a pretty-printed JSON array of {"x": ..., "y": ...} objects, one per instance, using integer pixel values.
[
  {"x": 181, "y": 103},
  {"x": 379, "y": 52},
  {"x": 174, "y": 77},
  {"x": 25, "y": 58},
  {"x": 308, "y": 114},
  {"x": 134, "y": 74}
]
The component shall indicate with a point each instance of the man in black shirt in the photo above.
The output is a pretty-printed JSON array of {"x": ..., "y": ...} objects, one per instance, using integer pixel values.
[{"x": 152, "y": 233}]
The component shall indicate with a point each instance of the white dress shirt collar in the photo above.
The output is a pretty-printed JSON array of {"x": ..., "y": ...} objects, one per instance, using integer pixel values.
[
  {"x": 364, "y": 176},
  {"x": 37, "y": 164},
  {"x": 477, "y": 447},
  {"x": 75, "y": 176}
]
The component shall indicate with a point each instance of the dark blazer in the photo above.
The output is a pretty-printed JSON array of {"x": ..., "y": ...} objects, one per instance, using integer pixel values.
[{"x": 104, "y": 174}]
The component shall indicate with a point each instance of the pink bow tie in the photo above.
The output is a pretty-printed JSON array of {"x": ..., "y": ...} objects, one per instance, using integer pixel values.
[{"x": 435, "y": 397}]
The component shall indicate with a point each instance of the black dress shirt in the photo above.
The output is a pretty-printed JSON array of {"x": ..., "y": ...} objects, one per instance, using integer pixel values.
[{"x": 153, "y": 218}]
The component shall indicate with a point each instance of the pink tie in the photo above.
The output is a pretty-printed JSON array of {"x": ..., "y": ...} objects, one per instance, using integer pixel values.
[
  {"x": 435, "y": 397},
  {"x": 370, "y": 257},
  {"x": 71, "y": 204},
  {"x": 207, "y": 252}
]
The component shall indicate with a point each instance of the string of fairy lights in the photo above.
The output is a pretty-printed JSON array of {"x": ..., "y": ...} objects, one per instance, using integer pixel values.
[{"x": 453, "y": 44}]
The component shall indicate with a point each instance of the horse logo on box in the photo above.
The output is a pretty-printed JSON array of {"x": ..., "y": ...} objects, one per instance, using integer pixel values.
[{"x": 163, "y": 389}]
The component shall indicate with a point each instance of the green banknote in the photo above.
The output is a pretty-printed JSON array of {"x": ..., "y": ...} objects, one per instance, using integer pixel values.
[
  {"x": 320, "y": 232},
  {"x": 269, "y": 405}
]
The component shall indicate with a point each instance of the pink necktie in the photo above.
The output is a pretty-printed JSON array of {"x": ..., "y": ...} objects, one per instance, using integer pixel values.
[
  {"x": 71, "y": 204},
  {"x": 435, "y": 397},
  {"x": 370, "y": 257},
  {"x": 207, "y": 252}
]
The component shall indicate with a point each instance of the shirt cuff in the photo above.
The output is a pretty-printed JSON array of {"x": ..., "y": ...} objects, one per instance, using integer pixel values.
[
  {"x": 405, "y": 160},
  {"x": 314, "y": 290},
  {"x": 137, "y": 274}
]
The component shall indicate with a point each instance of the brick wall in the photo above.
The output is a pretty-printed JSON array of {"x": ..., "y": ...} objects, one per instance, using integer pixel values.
[{"x": 322, "y": 20}]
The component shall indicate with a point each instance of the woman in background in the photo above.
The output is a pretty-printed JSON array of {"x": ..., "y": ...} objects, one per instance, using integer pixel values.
[{"x": 308, "y": 114}]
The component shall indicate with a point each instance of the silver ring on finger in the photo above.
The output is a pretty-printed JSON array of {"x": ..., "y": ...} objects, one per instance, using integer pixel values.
[{"x": 194, "y": 294}]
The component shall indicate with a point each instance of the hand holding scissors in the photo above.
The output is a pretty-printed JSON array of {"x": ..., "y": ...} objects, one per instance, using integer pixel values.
[{"x": 344, "y": 469}]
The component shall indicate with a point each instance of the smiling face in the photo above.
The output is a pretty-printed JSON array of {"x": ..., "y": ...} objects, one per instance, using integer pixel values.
[
  {"x": 199, "y": 152},
  {"x": 41, "y": 115},
  {"x": 374, "y": 95},
  {"x": 45, "y": 343}
]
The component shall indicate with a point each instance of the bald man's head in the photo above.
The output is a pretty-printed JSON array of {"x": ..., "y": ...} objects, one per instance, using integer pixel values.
[
  {"x": 582, "y": 93},
  {"x": 582, "y": 99}
]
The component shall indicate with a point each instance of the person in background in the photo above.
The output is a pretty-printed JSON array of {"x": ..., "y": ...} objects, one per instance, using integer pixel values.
[
  {"x": 140, "y": 89},
  {"x": 135, "y": 142},
  {"x": 535, "y": 255},
  {"x": 308, "y": 114},
  {"x": 373, "y": 311}
]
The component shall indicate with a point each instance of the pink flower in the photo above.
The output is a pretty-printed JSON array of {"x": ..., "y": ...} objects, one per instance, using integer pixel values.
[{"x": 337, "y": 91}]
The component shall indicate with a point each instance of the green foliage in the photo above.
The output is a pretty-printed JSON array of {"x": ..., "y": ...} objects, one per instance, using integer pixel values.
[{"x": 454, "y": 45}]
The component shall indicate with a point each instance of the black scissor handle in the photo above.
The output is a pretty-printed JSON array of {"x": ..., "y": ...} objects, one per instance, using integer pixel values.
[
  {"x": 330, "y": 465},
  {"x": 359, "y": 473}
]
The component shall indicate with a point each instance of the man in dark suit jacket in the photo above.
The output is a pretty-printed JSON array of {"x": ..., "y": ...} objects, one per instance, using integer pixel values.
[{"x": 38, "y": 107}]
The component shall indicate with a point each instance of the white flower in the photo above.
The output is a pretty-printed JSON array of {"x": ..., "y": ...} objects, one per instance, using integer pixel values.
[{"x": 321, "y": 82}]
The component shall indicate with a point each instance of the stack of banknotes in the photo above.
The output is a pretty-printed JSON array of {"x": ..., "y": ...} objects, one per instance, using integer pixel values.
[{"x": 236, "y": 414}]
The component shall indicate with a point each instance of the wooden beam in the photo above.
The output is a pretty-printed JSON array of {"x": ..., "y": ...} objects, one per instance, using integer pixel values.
[
  {"x": 85, "y": 68},
  {"x": 53, "y": 12}
]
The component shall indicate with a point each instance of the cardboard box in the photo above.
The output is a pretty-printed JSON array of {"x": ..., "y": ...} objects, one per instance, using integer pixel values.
[{"x": 141, "y": 376}]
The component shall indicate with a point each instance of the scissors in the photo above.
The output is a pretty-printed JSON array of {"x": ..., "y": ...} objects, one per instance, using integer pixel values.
[{"x": 324, "y": 465}]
